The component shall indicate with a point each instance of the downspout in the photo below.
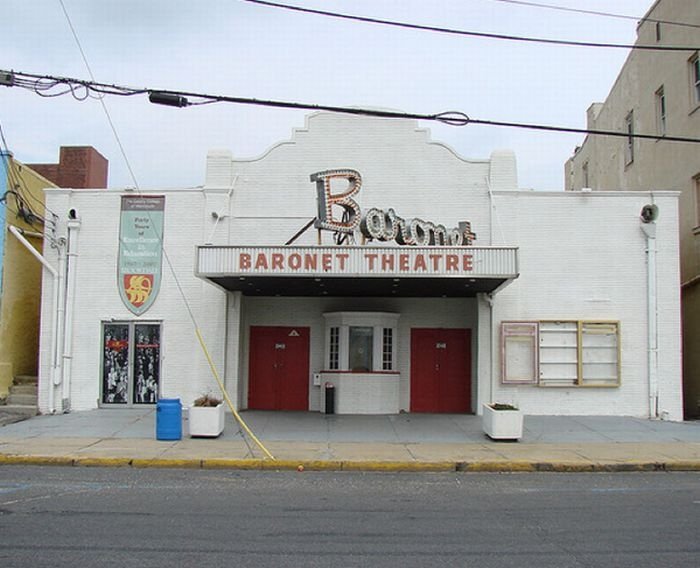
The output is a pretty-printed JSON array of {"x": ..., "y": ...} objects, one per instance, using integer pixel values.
[
  {"x": 648, "y": 217},
  {"x": 57, "y": 313},
  {"x": 490, "y": 298},
  {"x": 60, "y": 299},
  {"x": 73, "y": 226}
]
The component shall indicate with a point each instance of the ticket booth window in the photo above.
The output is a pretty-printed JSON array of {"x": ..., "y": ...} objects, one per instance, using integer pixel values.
[
  {"x": 361, "y": 342},
  {"x": 360, "y": 348}
]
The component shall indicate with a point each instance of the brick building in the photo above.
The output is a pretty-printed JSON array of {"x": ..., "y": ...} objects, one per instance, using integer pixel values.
[{"x": 363, "y": 255}]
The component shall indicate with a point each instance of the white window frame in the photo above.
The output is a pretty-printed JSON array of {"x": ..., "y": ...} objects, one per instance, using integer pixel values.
[
  {"x": 661, "y": 111},
  {"x": 378, "y": 321},
  {"x": 694, "y": 76},
  {"x": 629, "y": 140},
  {"x": 696, "y": 194},
  {"x": 333, "y": 348},
  {"x": 388, "y": 348}
]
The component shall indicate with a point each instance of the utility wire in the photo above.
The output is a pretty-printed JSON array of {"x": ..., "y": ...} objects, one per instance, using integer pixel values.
[
  {"x": 101, "y": 98},
  {"x": 526, "y": 39},
  {"x": 181, "y": 99},
  {"x": 21, "y": 192},
  {"x": 598, "y": 13},
  {"x": 193, "y": 319}
]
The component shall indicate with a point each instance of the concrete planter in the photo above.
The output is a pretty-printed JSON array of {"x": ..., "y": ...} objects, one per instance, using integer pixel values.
[
  {"x": 206, "y": 421},
  {"x": 502, "y": 424}
]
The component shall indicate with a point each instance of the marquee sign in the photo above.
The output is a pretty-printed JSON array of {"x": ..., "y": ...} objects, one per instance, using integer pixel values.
[
  {"x": 140, "y": 251},
  {"x": 357, "y": 261},
  {"x": 376, "y": 223}
]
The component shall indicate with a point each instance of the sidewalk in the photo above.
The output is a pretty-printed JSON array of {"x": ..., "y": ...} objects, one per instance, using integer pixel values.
[{"x": 404, "y": 442}]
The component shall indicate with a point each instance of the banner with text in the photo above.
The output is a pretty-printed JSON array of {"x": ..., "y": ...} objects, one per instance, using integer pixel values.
[{"x": 140, "y": 251}]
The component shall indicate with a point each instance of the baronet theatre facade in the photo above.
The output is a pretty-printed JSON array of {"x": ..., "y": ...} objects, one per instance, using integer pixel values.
[{"x": 363, "y": 256}]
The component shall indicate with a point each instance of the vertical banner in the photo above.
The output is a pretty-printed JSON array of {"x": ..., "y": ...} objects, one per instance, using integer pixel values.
[{"x": 140, "y": 251}]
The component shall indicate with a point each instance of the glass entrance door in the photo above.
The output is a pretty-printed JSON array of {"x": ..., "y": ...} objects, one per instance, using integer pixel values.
[{"x": 130, "y": 363}]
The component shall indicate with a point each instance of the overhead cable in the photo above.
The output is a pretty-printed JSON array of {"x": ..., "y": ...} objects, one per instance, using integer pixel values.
[
  {"x": 21, "y": 191},
  {"x": 101, "y": 97},
  {"x": 88, "y": 89},
  {"x": 453, "y": 118},
  {"x": 452, "y": 31},
  {"x": 598, "y": 13}
]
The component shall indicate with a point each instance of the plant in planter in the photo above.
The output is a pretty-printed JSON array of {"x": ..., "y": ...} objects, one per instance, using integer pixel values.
[
  {"x": 206, "y": 417},
  {"x": 502, "y": 421}
]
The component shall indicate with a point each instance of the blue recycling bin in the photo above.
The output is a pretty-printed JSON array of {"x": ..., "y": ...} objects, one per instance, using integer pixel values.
[{"x": 169, "y": 419}]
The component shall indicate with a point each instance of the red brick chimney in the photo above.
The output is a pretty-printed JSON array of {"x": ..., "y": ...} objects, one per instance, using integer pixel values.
[{"x": 78, "y": 167}]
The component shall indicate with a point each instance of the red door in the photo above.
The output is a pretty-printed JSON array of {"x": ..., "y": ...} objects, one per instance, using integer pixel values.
[
  {"x": 441, "y": 370},
  {"x": 278, "y": 376}
]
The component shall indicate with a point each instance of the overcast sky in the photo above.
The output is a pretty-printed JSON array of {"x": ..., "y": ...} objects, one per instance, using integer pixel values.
[{"x": 235, "y": 48}]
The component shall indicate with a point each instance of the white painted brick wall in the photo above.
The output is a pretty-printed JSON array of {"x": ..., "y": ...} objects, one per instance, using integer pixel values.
[
  {"x": 581, "y": 256},
  {"x": 184, "y": 370}
]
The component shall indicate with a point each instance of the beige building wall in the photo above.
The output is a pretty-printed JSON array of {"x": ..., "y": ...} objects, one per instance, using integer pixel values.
[
  {"x": 656, "y": 93},
  {"x": 21, "y": 274}
]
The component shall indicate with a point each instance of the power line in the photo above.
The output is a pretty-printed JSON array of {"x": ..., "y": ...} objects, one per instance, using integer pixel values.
[
  {"x": 598, "y": 13},
  {"x": 101, "y": 98},
  {"x": 166, "y": 256},
  {"x": 182, "y": 99},
  {"x": 526, "y": 39},
  {"x": 73, "y": 89},
  {"x": 20, "y": 190}
]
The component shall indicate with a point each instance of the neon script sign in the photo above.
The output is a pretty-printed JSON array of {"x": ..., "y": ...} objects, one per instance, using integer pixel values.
[{"x": 377, "y": 223}]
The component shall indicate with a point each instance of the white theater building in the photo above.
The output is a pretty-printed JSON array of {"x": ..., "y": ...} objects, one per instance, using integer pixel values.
[{"x": 424, "y": 282}]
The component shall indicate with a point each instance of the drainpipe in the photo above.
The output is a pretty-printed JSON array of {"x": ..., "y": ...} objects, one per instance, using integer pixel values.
[
  {"x": 60, "y": 299},
  {"x": 57, "y": 314},
  {"x": 73, "y": 226},
  {"x": 649, "y": 215},
  {"x": 490, "y": 298}
]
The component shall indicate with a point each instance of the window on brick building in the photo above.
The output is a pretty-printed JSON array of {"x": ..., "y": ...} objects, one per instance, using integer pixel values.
[
  {"x": 629, "y": 141},
  {"x": 695, "y": 79},
  {"x": 697, "y": 203},
  {"x": 661, "y": 111}
]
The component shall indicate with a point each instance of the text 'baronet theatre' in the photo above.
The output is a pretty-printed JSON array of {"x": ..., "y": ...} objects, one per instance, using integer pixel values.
[{"x": 342, "y": 262}]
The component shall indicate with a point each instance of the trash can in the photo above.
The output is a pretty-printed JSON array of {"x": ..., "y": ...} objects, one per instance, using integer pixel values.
[
  {"x": 330, "y": 398},
  {"x": 169, "y": 419}
]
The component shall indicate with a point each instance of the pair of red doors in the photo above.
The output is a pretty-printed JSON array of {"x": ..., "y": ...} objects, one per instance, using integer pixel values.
[{"x": 440, "y": 369}]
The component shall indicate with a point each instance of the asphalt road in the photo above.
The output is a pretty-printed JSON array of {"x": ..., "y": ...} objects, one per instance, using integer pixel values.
[{"x": 141, "y": 517}]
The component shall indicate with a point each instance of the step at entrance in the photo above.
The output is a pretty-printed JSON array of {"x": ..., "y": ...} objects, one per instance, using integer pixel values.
[{"x": 23, "y": 394}]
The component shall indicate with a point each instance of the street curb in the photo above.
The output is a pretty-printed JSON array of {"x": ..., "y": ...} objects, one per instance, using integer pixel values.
[{"x": 504, "y": 466}]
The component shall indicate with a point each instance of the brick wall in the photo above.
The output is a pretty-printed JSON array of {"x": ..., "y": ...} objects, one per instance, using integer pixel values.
[
  {"x": 78, "y": 167},
  {"x": 582, "y": 256}
]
